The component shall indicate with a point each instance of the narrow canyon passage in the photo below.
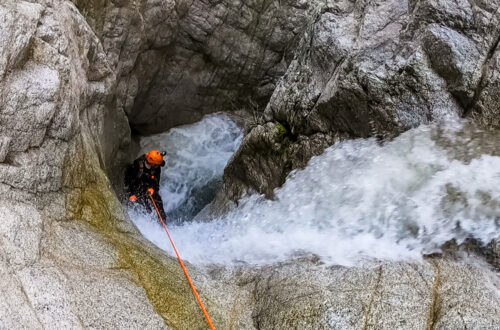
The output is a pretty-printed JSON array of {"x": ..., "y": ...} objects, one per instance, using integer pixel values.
[{"x": 358, "y": 187}]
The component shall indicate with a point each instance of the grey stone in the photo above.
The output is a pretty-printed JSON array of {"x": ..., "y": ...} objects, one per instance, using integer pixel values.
[
  {"x": 376, "y": 295},
  {"x": 55, "y": 90},
  {"x": 4, "y": 148},
  {"x": 16, "y": 310},
  {"x": 343, "y": 68},
  {"x": 178, "y": 60},
  {"x": 21, "y": 238},
  {"x": 455, "y": 58},
  {"x": 45, "y": 288},
  {"x": 367, "y": 69},
  {"x": 315, "y": 72}
]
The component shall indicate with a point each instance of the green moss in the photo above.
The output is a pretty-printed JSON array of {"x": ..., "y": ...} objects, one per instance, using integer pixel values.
[
  {"x": 166, "y": 288},
  {"x": 282, "y": 131},
  {"x": 94, "y": 209},
  {"x": 164, "y": 284}
]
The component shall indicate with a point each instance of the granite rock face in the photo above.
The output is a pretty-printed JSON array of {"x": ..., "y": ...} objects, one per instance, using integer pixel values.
[
  {"x": 70, "y": 258},
  {"x": 365, "y": 68},
  {"x": 56, "y": 271},
  {"x": 177, "y": 60},
  {"x": 340, "y": 69},
  {"x": 436, "y": 294}
]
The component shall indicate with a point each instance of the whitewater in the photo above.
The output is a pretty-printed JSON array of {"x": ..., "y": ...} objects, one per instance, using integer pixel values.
[{"x": 361, "y": 199}]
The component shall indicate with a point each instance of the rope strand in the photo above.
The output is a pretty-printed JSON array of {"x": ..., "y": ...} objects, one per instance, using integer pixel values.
[{"x": 184, "y": 269}]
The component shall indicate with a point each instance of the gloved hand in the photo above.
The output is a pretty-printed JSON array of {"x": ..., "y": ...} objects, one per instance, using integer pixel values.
[
  {"x": 151, "y": 191},
  {"x": 133, "y": 198}
]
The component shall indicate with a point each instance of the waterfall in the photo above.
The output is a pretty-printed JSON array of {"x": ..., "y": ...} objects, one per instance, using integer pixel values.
[
  {"x": 360, "y": 199},
  {"x": 195, "y": 161}
]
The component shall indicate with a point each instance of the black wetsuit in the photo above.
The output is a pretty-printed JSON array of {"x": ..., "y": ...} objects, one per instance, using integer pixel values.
[{"x": 138, "y": 179}]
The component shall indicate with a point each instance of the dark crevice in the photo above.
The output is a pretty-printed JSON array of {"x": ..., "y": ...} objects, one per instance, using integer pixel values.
[
  {"x": 288, "y": 131},
  {"x": 473, "y": 247},
  {"x": 462, "y": 98}
]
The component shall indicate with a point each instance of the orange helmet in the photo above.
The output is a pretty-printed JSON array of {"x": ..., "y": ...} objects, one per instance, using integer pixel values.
[{"x": 155, "y": 157}]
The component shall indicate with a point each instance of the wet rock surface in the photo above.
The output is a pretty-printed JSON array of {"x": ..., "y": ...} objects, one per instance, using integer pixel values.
[
  {"x": 269, "y": 153},
  {"x": 69, "y": 258},
  {"x": 436, "y": 293},
  {"x": 342, "y": 69},
  {"x": 365, "y": 69},
  {"x": 57, "y": 272}
]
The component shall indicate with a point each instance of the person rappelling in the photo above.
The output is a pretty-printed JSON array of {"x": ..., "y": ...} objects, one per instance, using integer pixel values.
[
  {"x": 142, "y": 184},
  {"x": 142, "y": 180}
]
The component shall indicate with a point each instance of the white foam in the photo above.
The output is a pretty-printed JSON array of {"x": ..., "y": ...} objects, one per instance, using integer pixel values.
[
  {"x": 358, "y": 200},
  {"x": 197, "y": 155}
]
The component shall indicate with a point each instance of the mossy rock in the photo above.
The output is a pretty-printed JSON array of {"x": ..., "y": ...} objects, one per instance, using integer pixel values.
[
  {"x": 282, "y": 131},
  {"x": 89, "y": 198}
]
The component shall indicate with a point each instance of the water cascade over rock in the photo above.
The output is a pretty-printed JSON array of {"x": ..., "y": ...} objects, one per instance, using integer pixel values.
[
  {"x": 197, "y": 156},
  {"x": 332, "y": 92},
  {"x": 361, "y": 199},
  {"x": 376, "y": 69},
  {"x": 355, "y": 235}
]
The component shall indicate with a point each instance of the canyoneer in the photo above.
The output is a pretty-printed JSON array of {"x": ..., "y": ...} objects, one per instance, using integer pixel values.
[
  {"x": 142, "y": 184},
  {"x": 142, "y": 179}
]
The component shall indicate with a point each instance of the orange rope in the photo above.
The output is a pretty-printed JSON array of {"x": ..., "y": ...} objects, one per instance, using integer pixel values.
[{"x": 207, "y": 317}]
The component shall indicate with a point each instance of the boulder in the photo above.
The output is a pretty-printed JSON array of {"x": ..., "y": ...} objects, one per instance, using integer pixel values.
[
  {"x": 69, "y": 257},
  {"x": 364, "y": 69},
  {"x": 436, "y": 293}
]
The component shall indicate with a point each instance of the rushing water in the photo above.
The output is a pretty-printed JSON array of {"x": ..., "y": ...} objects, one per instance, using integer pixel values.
[
  {"x": 360, "y": 199},
  {"x": 197, "y": 155}
]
